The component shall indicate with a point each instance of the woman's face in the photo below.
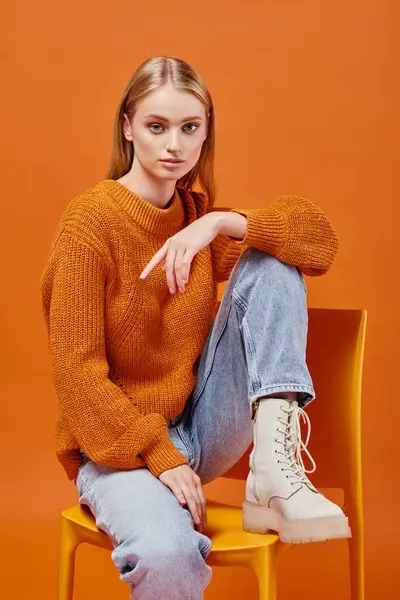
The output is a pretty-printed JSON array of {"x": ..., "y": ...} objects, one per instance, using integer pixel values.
[{"x": 169, "y": 123}]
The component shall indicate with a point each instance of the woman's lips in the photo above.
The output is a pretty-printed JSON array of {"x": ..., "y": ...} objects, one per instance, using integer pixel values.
[{"x": 172, "y": 164}]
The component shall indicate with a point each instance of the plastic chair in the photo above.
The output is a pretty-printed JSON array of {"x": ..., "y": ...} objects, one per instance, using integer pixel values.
[{"x": 335, "y": 357}]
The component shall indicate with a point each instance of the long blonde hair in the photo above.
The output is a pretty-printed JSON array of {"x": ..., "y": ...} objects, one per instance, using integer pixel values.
[{"x": 152, "y": 74}]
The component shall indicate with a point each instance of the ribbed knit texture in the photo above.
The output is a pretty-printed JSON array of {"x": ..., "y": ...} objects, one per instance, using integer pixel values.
[{"x": 124, "y": 351}]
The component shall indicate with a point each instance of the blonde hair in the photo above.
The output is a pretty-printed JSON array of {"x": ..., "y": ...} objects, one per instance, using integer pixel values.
[{"x": 152, "y": 74}]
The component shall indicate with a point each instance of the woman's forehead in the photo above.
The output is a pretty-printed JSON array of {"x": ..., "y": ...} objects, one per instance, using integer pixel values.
[{"x": 171, "y": 104}]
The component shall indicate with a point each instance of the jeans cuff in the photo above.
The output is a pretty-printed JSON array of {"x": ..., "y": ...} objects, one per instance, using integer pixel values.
[{"x": 306, "y": 393}]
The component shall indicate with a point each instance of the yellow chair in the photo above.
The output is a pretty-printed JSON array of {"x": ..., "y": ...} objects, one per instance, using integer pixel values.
[{"x": 335, "y": 358}]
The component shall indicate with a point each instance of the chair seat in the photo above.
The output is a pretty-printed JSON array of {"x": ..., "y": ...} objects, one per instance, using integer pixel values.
[{"x": 224, "y": 528}]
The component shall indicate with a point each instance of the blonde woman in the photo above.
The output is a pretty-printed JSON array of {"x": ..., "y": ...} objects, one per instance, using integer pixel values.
[{"x": 158, "y": 394}]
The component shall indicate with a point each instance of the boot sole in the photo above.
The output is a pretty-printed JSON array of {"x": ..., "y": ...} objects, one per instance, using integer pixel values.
[{"x": 260, "y": 519}]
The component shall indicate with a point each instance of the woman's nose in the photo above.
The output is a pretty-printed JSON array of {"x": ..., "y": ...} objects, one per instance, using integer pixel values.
[{"x": 174, "y": 142}]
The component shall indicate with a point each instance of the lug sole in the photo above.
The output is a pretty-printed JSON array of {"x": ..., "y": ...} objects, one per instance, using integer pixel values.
[{"x": 260, "y": 519}]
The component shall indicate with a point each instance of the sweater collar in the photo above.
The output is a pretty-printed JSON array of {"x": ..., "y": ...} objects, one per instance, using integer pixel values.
[{"x": 163, "y": 221}]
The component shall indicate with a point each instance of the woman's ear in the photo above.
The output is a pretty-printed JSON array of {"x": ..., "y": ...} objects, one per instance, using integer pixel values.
[{"x": 127, "y": 129}]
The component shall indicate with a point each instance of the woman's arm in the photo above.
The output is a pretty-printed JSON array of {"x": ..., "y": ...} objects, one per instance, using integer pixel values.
[
  {"x": 291, "y": 228},
  {"x": 231, "y": 223},
  {"x": 103, "y": 421}
]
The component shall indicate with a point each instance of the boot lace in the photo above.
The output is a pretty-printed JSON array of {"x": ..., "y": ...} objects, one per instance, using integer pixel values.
[{"x": 294, "y": 446}]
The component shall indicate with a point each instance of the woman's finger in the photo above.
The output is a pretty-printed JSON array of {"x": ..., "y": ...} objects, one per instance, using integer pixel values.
[
  {"x": 186, "y": 264},
  {"x": 170, "y": 270},
  {"x": 157, "y": 258},
  {"x": 203, "y": 502},
  {"x": 201, "y": 505},
  {"x": 192, "y": 502},
  {"x": 178, "y": 268},
  {"x": 201, "y": 499},
  {"x": 177, "y": 491}
]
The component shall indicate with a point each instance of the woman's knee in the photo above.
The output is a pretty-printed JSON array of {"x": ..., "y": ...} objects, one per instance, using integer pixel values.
[
  {"x": 257, "y": 266},
  {"x": 171, "y": 557}
]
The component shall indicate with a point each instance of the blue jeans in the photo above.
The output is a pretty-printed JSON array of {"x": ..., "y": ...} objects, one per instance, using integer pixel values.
[{"x": 256, "y": 347}]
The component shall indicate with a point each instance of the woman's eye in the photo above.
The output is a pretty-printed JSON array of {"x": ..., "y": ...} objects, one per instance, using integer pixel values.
[
  {"x": 161, "y": 126},
  {"x": 192, "y": 125}
]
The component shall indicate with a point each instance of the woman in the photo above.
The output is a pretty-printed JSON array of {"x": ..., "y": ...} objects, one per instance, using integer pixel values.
[{"x": 156, "y": 396}]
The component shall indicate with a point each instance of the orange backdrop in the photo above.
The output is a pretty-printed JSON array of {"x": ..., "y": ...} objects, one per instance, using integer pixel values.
[{"x": 306, "y": 97}]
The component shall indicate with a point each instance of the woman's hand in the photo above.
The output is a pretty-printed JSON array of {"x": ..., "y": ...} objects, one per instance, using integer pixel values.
[
  {"x": 180, "y": 249},
  {"x": 187, "y": 488}
]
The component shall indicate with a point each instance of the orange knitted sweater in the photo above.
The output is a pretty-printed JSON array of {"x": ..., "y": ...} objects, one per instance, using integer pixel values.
[{"x": 124, "y": 350}]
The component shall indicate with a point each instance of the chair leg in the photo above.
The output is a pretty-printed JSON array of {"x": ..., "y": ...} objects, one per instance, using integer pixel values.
[
  {"x": 69, "y": 544},
  {"x": 356, "y": 559},
  {"x": 264, "y": 566}
]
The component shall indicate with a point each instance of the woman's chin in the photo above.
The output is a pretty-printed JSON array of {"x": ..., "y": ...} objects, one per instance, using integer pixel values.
[{"x": 170, "y": 176}]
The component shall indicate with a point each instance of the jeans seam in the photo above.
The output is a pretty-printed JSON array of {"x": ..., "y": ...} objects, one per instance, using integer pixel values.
[
  {"x": 237, "y": 298},
  {"x": 255, "y": 381},
  {"x": 207, "y": 373},
  {"x": 240, "y": 266},
  {"x": 254, "y": 378},
  {"x": 88, "y": 482},
  {"x": 186, "y": 443}
]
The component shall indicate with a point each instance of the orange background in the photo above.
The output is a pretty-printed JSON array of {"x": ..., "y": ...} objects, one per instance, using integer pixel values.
[{"x": 306, "y": 96}]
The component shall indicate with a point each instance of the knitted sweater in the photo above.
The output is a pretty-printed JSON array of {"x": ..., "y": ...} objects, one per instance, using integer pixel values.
[{"x": 124, "y": 350}]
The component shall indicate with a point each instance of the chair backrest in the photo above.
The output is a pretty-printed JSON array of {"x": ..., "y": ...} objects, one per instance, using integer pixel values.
[{"x": 335, "y": 352}]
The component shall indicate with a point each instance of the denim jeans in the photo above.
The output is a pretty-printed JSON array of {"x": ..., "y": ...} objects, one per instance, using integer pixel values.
[{"x": 256, "y": 347}]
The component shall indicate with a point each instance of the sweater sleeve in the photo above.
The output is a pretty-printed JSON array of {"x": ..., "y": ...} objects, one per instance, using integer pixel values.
[
  {"x": 291, "y": 228},
  {"x": 103, "y": 421}
]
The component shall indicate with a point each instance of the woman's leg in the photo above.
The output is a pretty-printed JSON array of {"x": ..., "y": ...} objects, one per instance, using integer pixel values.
[
  {"x": 252, "y": 366},
  {"x": 157, "y": 550},
  {"x": 256, "y": 348}
]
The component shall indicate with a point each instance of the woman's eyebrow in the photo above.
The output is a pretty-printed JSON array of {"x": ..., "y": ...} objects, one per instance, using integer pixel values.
[{"x": 161, "y": 118}]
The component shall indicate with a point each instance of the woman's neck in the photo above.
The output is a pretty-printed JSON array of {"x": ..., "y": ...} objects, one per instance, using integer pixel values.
[{"x": 157, "y": 192}]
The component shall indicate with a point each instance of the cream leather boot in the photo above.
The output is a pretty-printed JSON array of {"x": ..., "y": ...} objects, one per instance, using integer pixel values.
[{"x": 279, "y": 495}]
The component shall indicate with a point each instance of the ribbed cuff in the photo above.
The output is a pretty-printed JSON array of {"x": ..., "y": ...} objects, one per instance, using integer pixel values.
[
  {"x": 161, "y": 454},
  {"x": 265, "y": 229}
]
